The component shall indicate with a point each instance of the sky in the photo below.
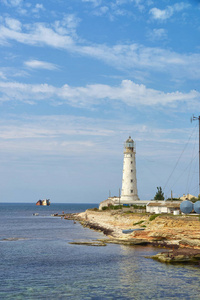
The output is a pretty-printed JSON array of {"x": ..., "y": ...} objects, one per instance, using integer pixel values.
[{"x": 78, "y": 77}]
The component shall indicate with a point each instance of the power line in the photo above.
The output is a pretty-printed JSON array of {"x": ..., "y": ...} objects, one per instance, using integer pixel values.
[
  {"x": 191, "y": 164},
  {"x": 182, "y": 174},
  {"x": 178, "y": 159}
]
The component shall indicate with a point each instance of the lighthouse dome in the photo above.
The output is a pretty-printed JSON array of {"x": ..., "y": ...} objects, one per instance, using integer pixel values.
[{"x": 129, "y": 140}]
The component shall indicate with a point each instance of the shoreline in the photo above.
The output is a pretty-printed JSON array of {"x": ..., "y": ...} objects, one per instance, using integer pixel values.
[{"x": 180, "y": 235}]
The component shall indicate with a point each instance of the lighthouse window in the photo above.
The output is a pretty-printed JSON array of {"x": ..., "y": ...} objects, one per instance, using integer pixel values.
[
  {"x": 131, "y": 170},
  {"x": 131, "y": 191},
  {"x": 131, "y": 162},
  {"x": 131, "y": 180},
  {"x": 131, "y": 155}
]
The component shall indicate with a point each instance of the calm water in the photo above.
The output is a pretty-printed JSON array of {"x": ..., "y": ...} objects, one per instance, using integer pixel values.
[{"x": 37, "y": 261}]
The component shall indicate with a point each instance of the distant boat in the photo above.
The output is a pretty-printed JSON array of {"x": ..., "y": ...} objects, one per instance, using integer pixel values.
[
  {"x": 45, "y": 202},
  {"x": 35, "y": 214}
]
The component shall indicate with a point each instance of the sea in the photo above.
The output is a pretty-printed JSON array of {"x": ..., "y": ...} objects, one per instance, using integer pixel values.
[{"x": 37, "y": 261}]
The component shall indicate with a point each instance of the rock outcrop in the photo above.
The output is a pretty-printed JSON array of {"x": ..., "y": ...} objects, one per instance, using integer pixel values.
[{"x": 181, "y": 233}]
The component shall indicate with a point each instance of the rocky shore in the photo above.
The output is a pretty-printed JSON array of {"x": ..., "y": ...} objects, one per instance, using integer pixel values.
[{"x": 180, "y": 234}]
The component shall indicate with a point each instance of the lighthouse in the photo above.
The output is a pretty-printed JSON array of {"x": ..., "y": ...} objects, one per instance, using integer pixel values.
[{"x": 129, "y": 181}]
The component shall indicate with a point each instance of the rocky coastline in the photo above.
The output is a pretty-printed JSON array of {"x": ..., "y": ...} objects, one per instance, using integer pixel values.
[{"x": 179, "y": 235}]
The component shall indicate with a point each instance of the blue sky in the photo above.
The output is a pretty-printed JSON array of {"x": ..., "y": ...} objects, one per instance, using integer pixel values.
[{"x": 78, "y": 77}]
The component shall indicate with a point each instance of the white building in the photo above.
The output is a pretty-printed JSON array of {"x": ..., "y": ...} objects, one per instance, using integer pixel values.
[
  {"x": 160, "y": 207},
  {"x": 129, "y": 192}
]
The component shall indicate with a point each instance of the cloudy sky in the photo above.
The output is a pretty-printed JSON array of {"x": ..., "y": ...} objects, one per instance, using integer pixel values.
[{"x": 77, "y": 77}]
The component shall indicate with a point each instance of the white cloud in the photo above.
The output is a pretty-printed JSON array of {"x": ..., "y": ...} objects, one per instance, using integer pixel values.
[
  {"x": 164, "y": 14},
  {"x": 37, "y": 64},
  {"x": 62, "y": 35},
  {"x": 157, "y": 34},
  {"x": 38, "y": 7},
  {"x": 161, "y": 14},
  {"x": 94, "y": 2},
  {"x": 60, "y": 126},
  {"x": 39, "y": 35},
  {"x": 127, "y": 92},
  {"x": 2, "y": 75},
  {"x": 13, "y": 24},
  {"x": 101, "y": 11},
  {"x": 12, "y": 2},
  {"x": 67, "y": 26}
]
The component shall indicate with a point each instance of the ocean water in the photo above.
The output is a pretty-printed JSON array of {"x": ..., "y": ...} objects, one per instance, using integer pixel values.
[{"x": 37, "y": 261}]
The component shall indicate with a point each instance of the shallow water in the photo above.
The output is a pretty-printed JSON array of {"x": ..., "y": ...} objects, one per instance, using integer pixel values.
[{"x": 37, "y": 261}]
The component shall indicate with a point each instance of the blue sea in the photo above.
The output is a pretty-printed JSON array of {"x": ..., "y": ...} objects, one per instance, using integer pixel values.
[{"x": 37, "y": 261}]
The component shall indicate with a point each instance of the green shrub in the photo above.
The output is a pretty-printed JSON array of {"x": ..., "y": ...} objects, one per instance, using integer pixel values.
[
  {"x": 112, "y": 207},
  {"x": 105, "y": 207},
  {"x": 140, "y": 222},
  {"x": 117, "y": 206},
  {"x": 193, "y": 199},
  {"x": 138, "y": 206},
  {"x": 151, "y": 218},
  {"x": 173, "y": 199},
  {"x": 93, "y": 209}
]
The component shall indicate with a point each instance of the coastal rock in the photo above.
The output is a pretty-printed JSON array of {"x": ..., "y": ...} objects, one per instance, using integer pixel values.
[
  {"x": 130, "y": 242},
  {"x": 179, "y": 256},
  {"x": 190, "y": 242},
  {"x": 167, "y": 231},
  {"x": 87, "y": 243}
]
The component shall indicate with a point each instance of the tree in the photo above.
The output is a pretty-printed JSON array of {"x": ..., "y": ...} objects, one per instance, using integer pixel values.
[{"x": 159, "y": 194}]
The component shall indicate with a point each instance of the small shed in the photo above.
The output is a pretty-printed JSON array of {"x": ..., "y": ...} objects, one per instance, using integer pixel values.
[
  {"x": 110, "y": 201},
  {"x": 161, "y": 207}
]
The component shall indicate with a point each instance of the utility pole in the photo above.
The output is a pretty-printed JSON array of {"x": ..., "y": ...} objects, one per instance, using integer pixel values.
[{"x": 194, "y": 119}]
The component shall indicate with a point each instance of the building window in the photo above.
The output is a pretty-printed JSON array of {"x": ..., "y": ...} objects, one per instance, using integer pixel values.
[
  {"x": 131, "y": 170},
  {"x": 131, "y": 180},
  {"x": 131, "y": 155},
  {"x": 131, "y": 162},
  {"x": 131, "y": 191}
]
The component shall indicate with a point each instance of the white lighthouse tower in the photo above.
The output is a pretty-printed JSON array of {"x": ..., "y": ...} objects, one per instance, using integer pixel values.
[{"x": 129, "y": 181}]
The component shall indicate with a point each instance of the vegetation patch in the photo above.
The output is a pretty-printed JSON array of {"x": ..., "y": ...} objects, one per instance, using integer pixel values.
[
  {"x": 140, "y": 222},
  {"x": 151, "y": 218},
  {"x": 105, "y": 208},
  {"x": 111, "y": 207},
  {"x": 93, "y": 209},
  {"x": 138, "y": 206},
  {"x": 117, "y": 206},
  {"x": 173, "y": 199}
]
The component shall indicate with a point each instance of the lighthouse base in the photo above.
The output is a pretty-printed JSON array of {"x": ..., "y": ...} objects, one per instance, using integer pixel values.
[{"x": 125, "y": 199}]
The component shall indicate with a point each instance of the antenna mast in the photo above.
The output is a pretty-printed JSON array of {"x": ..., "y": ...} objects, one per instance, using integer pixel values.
[{"x": 198, "y": 118}]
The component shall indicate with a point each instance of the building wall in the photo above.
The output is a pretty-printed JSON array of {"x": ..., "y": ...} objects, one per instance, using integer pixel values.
[
  {"x": 161, "y": 207},
  {"x": 156, "y": 209},
  {"x": 109, "y": 201}
]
